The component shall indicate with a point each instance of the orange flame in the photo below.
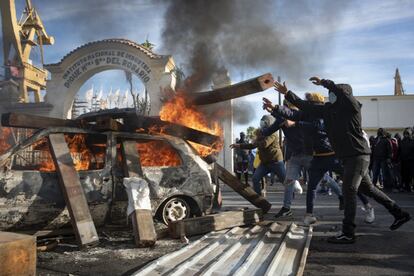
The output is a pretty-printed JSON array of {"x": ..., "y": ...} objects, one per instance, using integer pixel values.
[
  {"x": 154, "y": 154},
  {"x": 157, "y": 153},
  {"x": 178, "y": 110},
  {"x": 83, "y": 158},
  {"x": 5, "y": 137}
]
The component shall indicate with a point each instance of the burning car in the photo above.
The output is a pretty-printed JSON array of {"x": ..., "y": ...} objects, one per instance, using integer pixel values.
[
  {"x": 173, "y": 149},
  {"x": 30, "y": 193}
]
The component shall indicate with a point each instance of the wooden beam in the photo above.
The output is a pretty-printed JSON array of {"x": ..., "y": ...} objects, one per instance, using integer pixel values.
[
  {"x": 17, "y": 254},
  {"x": 107, "y": 123},
  {"x": 234, "y": 91},
  {"x": 142, "y": 222},
  {"x": 136, "y": 122},
  {"x": 244, "y": 190},
  {"x": 143, "y": 228},
  {"x": 132, "y": 122},
  {"x": 105, "y": 120},
  {"x": 72, "y": 190},
  {"x": 34, "y": 121},
  {"x": 201, "y": 225}
]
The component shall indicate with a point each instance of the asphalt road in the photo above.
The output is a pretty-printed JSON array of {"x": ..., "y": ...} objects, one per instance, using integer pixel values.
[{"x": 378, "y": 251}]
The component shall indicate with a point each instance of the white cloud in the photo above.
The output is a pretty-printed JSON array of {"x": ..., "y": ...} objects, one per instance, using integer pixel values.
[
  {"x": 68, "y": 9},
  {"x": 360, "y": 15}
]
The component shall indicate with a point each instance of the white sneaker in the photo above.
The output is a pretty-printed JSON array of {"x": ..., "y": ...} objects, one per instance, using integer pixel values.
[
  {"x": 370, "y": 216},
  {"x": 309, "y": 219},
  {"x": 298, "y": 189}
]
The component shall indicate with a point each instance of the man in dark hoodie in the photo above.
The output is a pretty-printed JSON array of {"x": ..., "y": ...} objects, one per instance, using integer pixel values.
[
  {"x": 381, "y": 162},
  {"x": 342, "y": 118},
  {"x": 242, "y": 161},
  {"x": 407, "y": 159},
  {"x": 324, "y": 158}
]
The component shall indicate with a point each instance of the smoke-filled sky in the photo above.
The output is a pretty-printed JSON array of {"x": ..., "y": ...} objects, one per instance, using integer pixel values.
[{"x": 358, "y": 42}]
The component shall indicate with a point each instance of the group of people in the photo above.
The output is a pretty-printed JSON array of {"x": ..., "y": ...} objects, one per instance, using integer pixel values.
[
  {"x": 320, "y": 138},
  {"x": 392, "y": 160}
]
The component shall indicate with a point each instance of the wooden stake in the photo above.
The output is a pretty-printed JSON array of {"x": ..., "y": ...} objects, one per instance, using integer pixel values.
[
  {"x": 142, "y": 222},
  {"x": 34, "y": 121},
  {"x": 17, "y": 254},
  {"x": 72, "y": 190},
  {"x": 237, "y": 90},
  {"x": 245, "y": 191}
]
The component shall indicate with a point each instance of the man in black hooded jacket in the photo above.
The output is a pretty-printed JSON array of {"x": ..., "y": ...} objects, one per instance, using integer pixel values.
[
  {"x": 381, "y": 162},
  {"x": 342, "y": 117},
  {"x": 407, "y": 159}
]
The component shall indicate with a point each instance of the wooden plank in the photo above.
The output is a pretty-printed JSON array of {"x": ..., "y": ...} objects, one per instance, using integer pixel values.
[
  {"x": 17, "y": 254},
  {"x": 142, "y": 222},
  {"x": 34, "y": 121},
  {"x": 107, "y": 123},
  {"x": 237, "y": 90},
  {"x": 134, "y": 122},
  {"x": 201, "y": 225},
  {"x": 132, "y": 162},
  {"x": 75, "y": 198},
  {"x": 143, "y": 228},
  {"x": 245, "y": 191}
]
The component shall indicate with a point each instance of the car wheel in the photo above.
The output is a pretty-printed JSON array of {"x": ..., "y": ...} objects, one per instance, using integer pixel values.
[{"x": 175, "y": 209}]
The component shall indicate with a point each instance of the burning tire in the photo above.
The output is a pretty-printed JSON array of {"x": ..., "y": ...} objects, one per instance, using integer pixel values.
[{"x": 175, "y": 209}]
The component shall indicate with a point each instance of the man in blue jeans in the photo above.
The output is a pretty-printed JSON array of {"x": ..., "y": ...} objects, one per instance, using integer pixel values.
[
  {"x": 271, "y": 157},
  {"x": 298, "y": 158}
]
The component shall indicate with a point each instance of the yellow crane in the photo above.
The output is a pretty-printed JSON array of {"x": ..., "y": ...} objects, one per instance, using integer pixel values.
[{"x": 19, "y": 37}]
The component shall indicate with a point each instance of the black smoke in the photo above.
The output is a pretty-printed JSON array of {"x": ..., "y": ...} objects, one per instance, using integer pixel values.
[
  {"x": 263, "y": 35},
  {"x": 243, "y": 112}
]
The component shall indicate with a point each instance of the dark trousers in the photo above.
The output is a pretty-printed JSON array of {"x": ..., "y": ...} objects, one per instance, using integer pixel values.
[
  {"x": 356, "y": 177},
  {"x": 407, "y": 174},
  {"x": 383, "y": 166},
  {"x": 319, "y": 166}
]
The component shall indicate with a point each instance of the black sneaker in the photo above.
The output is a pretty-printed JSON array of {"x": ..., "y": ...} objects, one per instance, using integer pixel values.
[
  {"x": 400, "y": 220},
  {"x": 284, "y": 212},
  {"x": 342, "y": 239},
  {"x": 341, "y": 203}
]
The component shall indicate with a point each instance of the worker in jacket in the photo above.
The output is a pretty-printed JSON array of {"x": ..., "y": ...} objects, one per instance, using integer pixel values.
[{"x": 271, "y": 157}]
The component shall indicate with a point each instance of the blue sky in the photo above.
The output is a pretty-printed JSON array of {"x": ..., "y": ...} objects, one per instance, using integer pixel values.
[{"x": 363, "y": 47}]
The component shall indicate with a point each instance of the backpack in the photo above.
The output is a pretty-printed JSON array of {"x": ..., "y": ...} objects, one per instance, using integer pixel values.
[
  {"x": 394, "y": 149},
  {"x": 256, "y": 162}
]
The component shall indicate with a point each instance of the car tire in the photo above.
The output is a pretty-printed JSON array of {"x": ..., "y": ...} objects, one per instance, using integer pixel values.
[{"x": 175, "y": 209}]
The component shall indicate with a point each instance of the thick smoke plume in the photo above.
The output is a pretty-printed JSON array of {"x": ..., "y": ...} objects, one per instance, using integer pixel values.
[
  {"x": 244, "y": 35},
  {"x": 242, "y": 112}
]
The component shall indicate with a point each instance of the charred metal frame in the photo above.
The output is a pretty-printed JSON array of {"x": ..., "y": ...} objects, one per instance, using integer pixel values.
[{"x": 103, "y": 188}]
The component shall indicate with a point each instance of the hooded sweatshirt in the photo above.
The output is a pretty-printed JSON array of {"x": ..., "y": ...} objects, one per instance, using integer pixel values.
[
  {"x": 407, "y": 147},
  {"x": 342, "y": 119},
  {"x": 296, "y": 144},
  {"x": 314, "y": 129},
  {"x": 267, "y": 146}
]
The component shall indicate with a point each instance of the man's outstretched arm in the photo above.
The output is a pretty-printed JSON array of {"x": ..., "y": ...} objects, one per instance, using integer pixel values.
[
  {"x": 310, "y": 110},
  {"x": 343, "y": 92}
]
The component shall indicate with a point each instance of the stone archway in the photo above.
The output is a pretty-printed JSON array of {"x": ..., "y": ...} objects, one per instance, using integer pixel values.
[{"x": 67, "y": 76}]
